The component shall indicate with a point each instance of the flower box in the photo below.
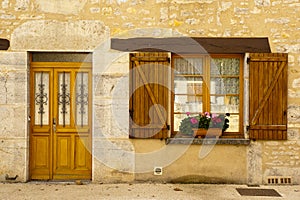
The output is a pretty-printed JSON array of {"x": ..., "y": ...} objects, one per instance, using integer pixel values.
[{"x": 204, "y": 133}]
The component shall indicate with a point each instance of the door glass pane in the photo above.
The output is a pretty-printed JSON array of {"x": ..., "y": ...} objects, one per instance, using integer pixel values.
[
  {"x": 41, "y": 98},
  {"x": 64, "y": 98},
  {"x": 82, "y": 98}
]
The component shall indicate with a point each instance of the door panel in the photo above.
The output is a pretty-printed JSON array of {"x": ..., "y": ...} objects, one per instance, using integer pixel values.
[
  {"x": 40, "y": 161},
  {"x": 60, "y": 130},
  {"x": 41, "y": 110}
]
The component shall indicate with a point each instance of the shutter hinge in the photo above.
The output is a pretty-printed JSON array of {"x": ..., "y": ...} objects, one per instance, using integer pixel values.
[
  {"x": 168, "y": 127},
  {"x": 247, "y": 127},
  {"x": 131, "y": 113},
  {"x": 169, "y": 60},
  {"x": 248, "y": 60}
]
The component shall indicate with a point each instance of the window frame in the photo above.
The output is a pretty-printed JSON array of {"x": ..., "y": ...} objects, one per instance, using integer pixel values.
[{"x": 206, "y": 88}]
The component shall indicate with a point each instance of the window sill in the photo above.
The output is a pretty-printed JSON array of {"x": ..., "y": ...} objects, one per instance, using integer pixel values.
[{"x": 211, "y": 141}]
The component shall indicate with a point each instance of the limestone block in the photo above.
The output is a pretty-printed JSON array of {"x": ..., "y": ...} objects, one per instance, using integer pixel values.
[
  {"x": 262, "y": 2},
  {"x": 192, "y": 1},
  {"x": 95, "y": 10},
  {"x": 7, "y": 16},
  {"x": 112, "y": 86},
  {"x": 254, "y": 155},
  {"x": 104, "y": 174},
  {"x": 61, "y": 7},
  {"x": 294, "y": 114},
  {"x": 161, "y": 1},
  {"x": 13, "y": 121},
  {"x": 13, "y": 60},
  {"x": 225, "y": 5},
  {"x": 22, "y": 5},
  {"x": 120, "y": 119},
  {"x": 241, "y": 11},
  {"x": 13, "y": 87},
  {"x": 280, "y": 20},
  {"x": 103, "y": 85},
  {"x": 94, "y": 1},
  {"x": 13, "y": 155},
  {"x": 118, "y": 64},
  {"x": 5, "y": 3},
  {"x": 104, "y": 58},
  {"x": 102, "y": 118},
  {"x": 56, "y": 35},
  {"x": 116, "y": 154},
  {"x": 293, "y": 134}
]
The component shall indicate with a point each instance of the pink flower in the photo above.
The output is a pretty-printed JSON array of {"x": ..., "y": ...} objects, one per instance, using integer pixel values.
[
  {"x": 194, "y": 120},
  {"x": 188, "y": 113},
  {"x": 214, "y": 115},
  {"x": 216, "y": 120},
  {"x": 206, "y": 113}
]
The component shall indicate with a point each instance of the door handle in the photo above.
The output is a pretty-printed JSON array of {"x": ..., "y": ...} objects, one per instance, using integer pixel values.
[{"x": 54, "y": 125}]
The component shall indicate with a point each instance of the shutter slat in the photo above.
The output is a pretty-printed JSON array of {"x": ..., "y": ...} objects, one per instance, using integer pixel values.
[
  {"x": 268, "y": 96},
  {"x": 268, "y": 127},
  {"x": 150, "y": 59},
  {"x": 268, "y": 59}
]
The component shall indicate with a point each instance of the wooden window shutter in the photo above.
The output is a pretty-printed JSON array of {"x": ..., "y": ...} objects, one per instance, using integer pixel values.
[
  {"x": 149, "y": 100},
  {"x": 268, "y": 96}
]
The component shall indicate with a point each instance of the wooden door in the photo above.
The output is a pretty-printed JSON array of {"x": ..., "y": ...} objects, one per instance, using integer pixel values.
[
  {"x": 60, "y": 137},
  {"x": 149, "y": 102}
]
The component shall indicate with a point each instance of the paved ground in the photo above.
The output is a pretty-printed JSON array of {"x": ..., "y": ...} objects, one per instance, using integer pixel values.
[{"x": 35, "y": 190}]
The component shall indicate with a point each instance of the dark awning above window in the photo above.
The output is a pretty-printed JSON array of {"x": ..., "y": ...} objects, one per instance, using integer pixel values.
[
  {"x": 4, "y": 44},
  {"x": 192, "y": 45}
]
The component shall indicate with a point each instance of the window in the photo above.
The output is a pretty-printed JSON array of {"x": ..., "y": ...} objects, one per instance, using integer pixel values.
[
  {"x": 213, "y": 83},
  {"x": 209, "y": 83}
]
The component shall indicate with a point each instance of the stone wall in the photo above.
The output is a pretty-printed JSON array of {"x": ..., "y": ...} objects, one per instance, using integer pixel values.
[
  {"x": 13, "y": 115},
  {"x": 87, "y": 25}
]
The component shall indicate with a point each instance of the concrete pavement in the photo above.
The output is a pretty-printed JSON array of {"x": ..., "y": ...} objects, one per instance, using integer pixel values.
[{"x": 139, "y": 191}]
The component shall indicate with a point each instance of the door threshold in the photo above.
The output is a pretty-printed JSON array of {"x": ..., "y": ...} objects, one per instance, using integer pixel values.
[{"x": 61, "y": 182}]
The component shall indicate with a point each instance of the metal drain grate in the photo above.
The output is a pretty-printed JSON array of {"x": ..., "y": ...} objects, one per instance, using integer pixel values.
[
  {"x": 258, "y": 192},
  {"x": 279, "y": 180}
]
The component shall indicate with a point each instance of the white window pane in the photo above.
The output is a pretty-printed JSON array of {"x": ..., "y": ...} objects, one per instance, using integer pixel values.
[
  {"x": 177, "y": 120},
  {"x": 82, "y": 95},
  {"x": 41, "y": 98},
  {"x": 233, "y": 123},
  {"x": 188, "y": 65},
  {"x": 64, "y": 98},
  {"x": 225, "y": 66}
]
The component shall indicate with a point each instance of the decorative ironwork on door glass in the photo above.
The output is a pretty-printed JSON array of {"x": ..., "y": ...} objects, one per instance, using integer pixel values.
[
  {"x": 82, "y": 97},
  {"x": 64, "y": 98},
  {"x": 41, "y": 98}
]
